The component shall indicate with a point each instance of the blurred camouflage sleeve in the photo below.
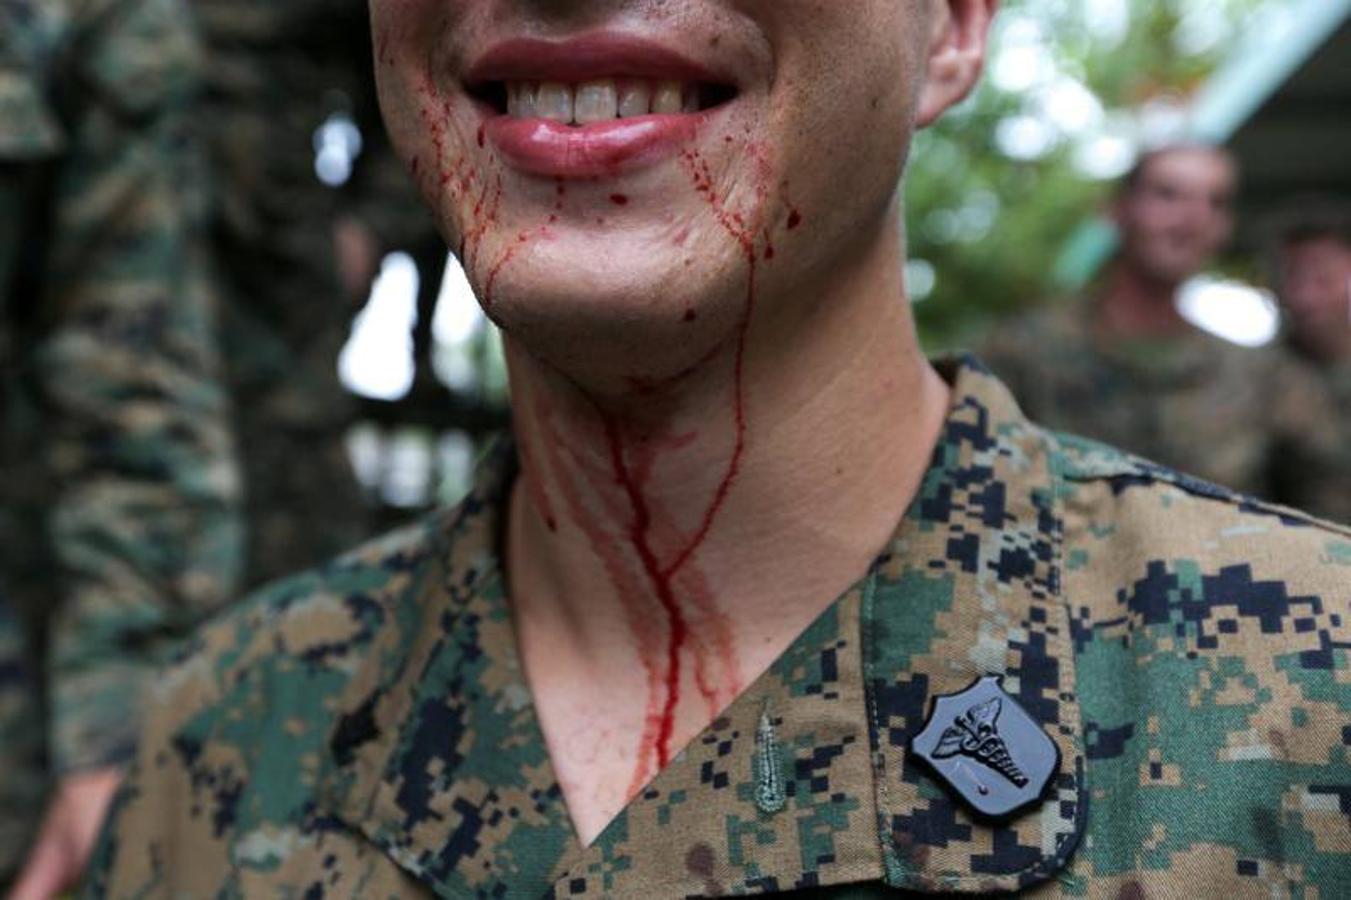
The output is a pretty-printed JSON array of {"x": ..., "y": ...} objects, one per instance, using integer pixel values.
[
  {"x": 1309, "y": 465},
  {"x": 145, "y": 527}
]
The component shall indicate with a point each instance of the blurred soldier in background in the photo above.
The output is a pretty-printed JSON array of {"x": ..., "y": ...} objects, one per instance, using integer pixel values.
[
  {"x": 118, "y": 492},
  {"x": 287, "y": 79},
  {"x": 1311, "y": 267},
  {"x": 1124, "y": 367}
]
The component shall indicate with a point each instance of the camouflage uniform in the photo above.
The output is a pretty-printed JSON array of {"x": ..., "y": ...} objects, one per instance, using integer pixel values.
[
  {"x": 365, "y": 730},
  {"x": 277, "y": 69},
  {"x": 118, "y": 493},
  {"x": 1255, "y": 420},
  {"x": 1335, "y": 497}
]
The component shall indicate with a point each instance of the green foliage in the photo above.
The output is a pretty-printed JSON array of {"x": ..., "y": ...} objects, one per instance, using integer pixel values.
[{"x": 992, "y": 225}]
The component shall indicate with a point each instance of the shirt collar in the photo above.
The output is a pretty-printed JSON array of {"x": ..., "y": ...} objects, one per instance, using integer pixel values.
[
  {"x": 436, "y": 754},
  {"x": 805, "y": 779}
]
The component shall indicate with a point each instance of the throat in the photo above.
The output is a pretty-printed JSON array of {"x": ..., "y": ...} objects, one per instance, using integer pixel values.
[
  {"x": 597, "y": 725},
  {"x": 626, "y": 563}
]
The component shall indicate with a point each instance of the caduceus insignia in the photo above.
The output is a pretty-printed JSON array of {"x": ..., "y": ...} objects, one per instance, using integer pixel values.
[{"x": 974, "y": 734}]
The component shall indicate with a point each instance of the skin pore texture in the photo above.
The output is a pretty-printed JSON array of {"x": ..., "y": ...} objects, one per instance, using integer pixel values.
[
  {"x": 720, "y": 405},
  {"x": 1173, "y": 219}
]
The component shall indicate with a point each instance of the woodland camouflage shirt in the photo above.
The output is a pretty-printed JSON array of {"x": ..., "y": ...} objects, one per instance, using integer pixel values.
[
  {"x": 1254, "y": 419},
  {"x": 365, "y": 730},
  {"x": 119, "y": 495}
]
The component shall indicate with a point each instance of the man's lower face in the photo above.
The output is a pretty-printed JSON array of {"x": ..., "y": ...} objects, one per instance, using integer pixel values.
[{"x": 641, "y": 162}]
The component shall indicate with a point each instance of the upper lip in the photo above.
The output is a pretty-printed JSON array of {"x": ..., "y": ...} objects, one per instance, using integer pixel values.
[{"x": 588, "y": 57}]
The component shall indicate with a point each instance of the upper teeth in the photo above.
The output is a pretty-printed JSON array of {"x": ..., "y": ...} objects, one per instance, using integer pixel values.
[{"x": 599, "y": 100}]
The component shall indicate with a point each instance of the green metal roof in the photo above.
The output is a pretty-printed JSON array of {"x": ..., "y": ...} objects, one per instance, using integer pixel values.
[{"x": 1261, "y": 66}]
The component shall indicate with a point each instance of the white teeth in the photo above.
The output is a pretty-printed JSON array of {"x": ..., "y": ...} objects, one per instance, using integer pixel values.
[
  {"x": 554, "y": 101},
  {"x": 667, "y": 98},
  {"x": 597, "y": 101},
  {"x": 521, "y": 99},
  {"x": 635, "y": 98}
]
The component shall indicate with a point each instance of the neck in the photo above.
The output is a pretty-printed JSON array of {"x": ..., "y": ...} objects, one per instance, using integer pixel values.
[
  {"x": 691, "y": 532},
  {"x": 1133, "y": 303},
  {"x": 1327, "y": 347}
]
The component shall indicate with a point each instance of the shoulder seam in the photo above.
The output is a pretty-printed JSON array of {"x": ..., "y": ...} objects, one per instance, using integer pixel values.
[{"x": 1137, "y": 467}]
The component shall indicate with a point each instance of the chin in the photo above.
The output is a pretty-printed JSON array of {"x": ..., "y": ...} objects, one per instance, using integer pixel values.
[
  {"x": 616, "y": 327},
  {"x": 1172, "y": 272}
]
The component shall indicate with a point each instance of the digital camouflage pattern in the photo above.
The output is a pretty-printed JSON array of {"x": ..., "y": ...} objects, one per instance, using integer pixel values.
[
  {"x": 1255, "y": 420},
  {"x": 276, "y": 71},
  {"x": 365, "y": 730},
  {"x": 118, "y": 494}
]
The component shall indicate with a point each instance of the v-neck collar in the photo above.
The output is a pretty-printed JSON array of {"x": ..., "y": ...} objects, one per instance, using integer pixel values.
[
  {"x": 438, "y": 758},
  {"x": 437, "y": 755}
]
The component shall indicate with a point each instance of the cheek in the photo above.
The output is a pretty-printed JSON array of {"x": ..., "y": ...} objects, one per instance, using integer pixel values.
[
  {"x": 401, "y": 106},
  {"x": 406, "y": 15},
  {"x": 855, "y": 83},
  {"x": 430, "y": 133},
  {"x": 846, "y": 139},
  {"x": 405, "y": 63}
]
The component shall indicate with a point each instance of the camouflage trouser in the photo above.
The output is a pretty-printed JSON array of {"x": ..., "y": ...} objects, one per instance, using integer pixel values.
[{"x": 22, "y": 769}]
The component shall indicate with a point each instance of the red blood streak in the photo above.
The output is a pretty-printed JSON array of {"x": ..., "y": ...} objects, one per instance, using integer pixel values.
[
  {"x": 690, "y": 315},
  {"x": 794, "y": 219},
  {"x": 629, "y": 571},
  {"x": 640, "y": 551},
  {"x": 619, "y": 199},
  {"x": 484, "y": 217},
  {"x": 739, "y": 411},
  {"x": 661, "y": 583},
  {"x": 732, "y": 223},
  {"x": 534, "y": 488},
  {"x": 567, "y": 479},
  {"x": 502, "y": 261},
  {"x": 662, "y": 578},
  {"x": 481, "y": 137}
]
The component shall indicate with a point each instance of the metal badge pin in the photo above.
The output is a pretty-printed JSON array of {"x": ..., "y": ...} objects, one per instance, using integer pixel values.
[{"x": 987, "y": 749}]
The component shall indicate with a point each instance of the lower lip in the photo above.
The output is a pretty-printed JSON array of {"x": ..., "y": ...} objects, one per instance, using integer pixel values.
[{"x": 544, "y": 147}]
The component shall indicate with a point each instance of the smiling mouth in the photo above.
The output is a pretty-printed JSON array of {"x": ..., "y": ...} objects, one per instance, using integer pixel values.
[
  {"x": 600, "y": 99},
  {"x": 593, "y": 105}
]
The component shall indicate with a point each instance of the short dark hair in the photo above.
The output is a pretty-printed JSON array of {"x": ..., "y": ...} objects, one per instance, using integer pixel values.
[
  {"x": 1131, "y": 180},
  {"x": 1311, "y": 217}
]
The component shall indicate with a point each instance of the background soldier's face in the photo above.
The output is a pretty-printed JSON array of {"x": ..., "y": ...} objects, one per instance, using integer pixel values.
[
  {"x": 1315, "y": 283},
  {"x": 639, "y": 243},
  {"x": 1179, "y": 213}
]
